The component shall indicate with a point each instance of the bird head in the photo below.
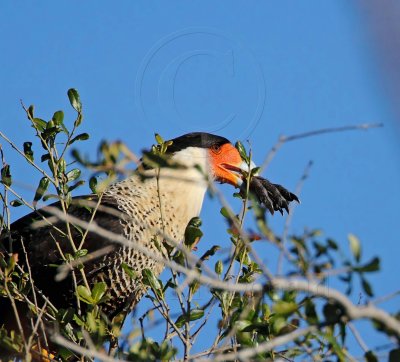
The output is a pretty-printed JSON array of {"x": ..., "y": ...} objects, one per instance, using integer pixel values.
[
  {"x": 224, "y": 164},
  {"x": 220, "y": 158}
]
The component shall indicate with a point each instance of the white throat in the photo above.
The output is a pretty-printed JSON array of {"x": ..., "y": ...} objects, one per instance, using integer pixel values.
[{"x": 187, "y": 186}]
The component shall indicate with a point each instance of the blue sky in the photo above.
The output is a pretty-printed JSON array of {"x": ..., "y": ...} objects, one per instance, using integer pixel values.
[{"x": 249, "y": 73}]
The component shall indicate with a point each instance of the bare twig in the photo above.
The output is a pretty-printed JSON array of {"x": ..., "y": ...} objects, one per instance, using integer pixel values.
[
  {"x": 247, "y": 353},
  {"x": 385, "y": 298},
  {"x": 352, "y": 311},
  {"x": 358, "y": 337},
  {"x": 90, "y": 353},
  {"x": 284, "y": 139},
  {"x": 12, "y": 144},
  {"x": 15, "y": 310},
  {"x": 289, "y": 218},
  {"x": 35, "y": 301}
]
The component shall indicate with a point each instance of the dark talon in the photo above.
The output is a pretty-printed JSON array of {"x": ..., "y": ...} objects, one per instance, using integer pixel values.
[
  {"x": 286, "y": 208},
  {"x": 287, "y": 194},
  {"x": 273, "y": 196}
]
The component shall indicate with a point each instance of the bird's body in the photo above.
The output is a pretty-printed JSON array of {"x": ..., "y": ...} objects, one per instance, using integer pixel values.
[
  {"x": 151, "y": 208},
  {"x": 156, "y": 210}
]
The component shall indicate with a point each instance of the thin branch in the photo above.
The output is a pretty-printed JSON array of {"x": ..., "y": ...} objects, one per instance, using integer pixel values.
[
  {"x": 247, "y": 353},
  {"x": 289, "y": 218},
  {"x": 15, "y": 309},
  {"x": 358, "y": 337},
  {"x": 385, "y": 298},
  {"x": 35, "y": 301},
  {"x": 89, "y": 353},
  {"x": 12, "y": 144},
  {"x": 196, "y": 356},
  {"x": 352, "y": 311},
  {"x": 284, "y": 139}
]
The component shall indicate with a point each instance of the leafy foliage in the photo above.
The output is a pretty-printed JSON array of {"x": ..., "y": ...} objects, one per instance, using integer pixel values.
[{"x": 240, "y": 318}]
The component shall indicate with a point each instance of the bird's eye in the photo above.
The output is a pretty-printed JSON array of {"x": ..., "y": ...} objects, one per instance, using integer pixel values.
[{"x": 216, "y": 149}]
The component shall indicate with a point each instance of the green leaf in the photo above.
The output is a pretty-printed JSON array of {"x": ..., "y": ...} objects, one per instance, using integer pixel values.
[
  {"x": 16, "y": 203},
  {"x": 84, "y": 294},
  {"x": 355, "y": 246},
  {"x": 31, "y": 110},
  {"x": 150, "y": 280},
  {"x": 50, "y": 196},
  {"x": 98, "y": 291},
  {"x": 210, "y": 252},
  {"x": 343, "y": 332},
  {"x": 240, "y": 325},
  {"x": 311, "y": 314},
  {"x": 167, "y": 352},
  {"x": 78, "y": 320},
  {"x": 284, "y": 308},
  {"x": 320, "y": 249},
  {"x": 78, "y": 120},
  {"x": 159, "y": 139},
  {"x": 91, "y": 321},
  {"x": 192, "y": 235},
  {"x": 62, "y": 165},
  {"x": 193, "y": 315},
  {"x": 65, "y": 315},
  {"x": 129, "y": 270},
  {"x": 79, "y": 137},
  {"x": 255, "y": 171},
  {"x": 224, "y": 212},
  {"x": 42, "y": 188},
  {"x": 337, "y": 349},
  {"x": 219, "y": 267},
  {"x": 371, "y": 266},
  {"x": 80, "y": 253},
  {"x": 370, "y": 357},
  {"x": 93, "y": 184},
  {"x": 278, "y": 323},
  {"x": 196, "y": 314},
  {"x": 195, "y": 221},
  {"x": 242, "y": 151},
  {"x": 58, "y": 118},
  {"x": 367, "y": 287},
  {"x": 50, "y": 132},
  {"x": 76, "y": 185},
  {"x": 39, "y": 124},
  {"x": 73, "y": 174},
  {"x": 6, "y": 175},
  {"x": 332, "y": 244},
  {"x": 194, "y": 287},
  {"x": 45, "y": 157},
  {"x": 28, "y": 150},
  {"x": 74, "y": 99},
  {"x": 153, "y": 160}
]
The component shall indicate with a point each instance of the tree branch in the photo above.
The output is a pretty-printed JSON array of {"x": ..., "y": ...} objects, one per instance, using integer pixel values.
[
  {"x": 284, "y": 139},
  {"x": 247, "y": 353},
  {"x": 352, "y": 311}
]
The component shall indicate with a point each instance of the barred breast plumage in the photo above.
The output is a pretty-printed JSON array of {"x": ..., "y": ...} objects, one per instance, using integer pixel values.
[{"x": 151, "y": 211}]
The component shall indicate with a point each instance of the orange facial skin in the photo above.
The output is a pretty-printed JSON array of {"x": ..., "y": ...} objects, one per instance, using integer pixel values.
[{"x": 226, "y": 164}]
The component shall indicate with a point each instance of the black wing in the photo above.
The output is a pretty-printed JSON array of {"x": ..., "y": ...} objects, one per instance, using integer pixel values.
[{"x": 41, "y": 247}]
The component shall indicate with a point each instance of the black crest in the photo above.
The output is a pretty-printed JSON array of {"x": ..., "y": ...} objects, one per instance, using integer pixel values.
[{"x": 196, "y": 139}]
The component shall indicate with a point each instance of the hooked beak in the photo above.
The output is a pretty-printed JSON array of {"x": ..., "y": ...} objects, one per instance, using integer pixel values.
[
  {"x": 236, "y": 172},
  {"x": 228, "y": 166}
]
